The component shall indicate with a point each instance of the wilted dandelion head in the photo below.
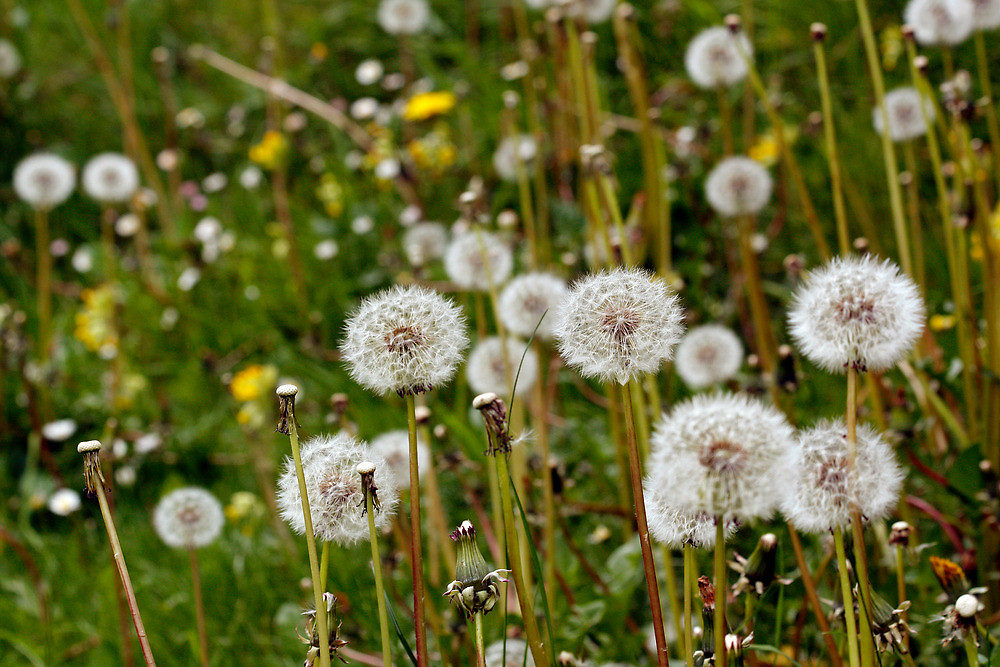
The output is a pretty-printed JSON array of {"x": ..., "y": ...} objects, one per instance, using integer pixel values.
[
  {"x": 906, "y": 120},
  {"x": 478, "y": 259},
  {"x": 394, "y": 447},
  {"x": 404, "y": 339},
  {"x": 110, "y": 177},
  {"x": 526, "y": 299},
  {"x": 336, "y": 498},
  {"x": 188, "y": 518},
  {"x": 856, "y": 310},
  {"x": 403, "y": 17},
  {"x": 708, "y": 354},
  {"x": 44, "y": 180},
  {"x": 512, "y": 152},
  {"x": 713, "y": 57},
  {"x": 618, "y": 324},
  {"x": 487, "y": 370},
  {"x": 940, "y": 22},
  {"x": 821, "y": 486},
  {"x": 509, "y": 652},
  {"x": 738, "y": 186},
  {"x": 986, "y": 14},
  {"x": 725, "y": 455},
  {"x": 671, "y": 525},
  {"x": 424, "y": 242}
]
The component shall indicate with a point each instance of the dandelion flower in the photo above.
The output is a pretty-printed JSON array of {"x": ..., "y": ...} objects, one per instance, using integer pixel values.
[
  {"x": 110, "y": 177},
  {"x": 477, "y": 260},
  {"x": 487, "y": 370},
  {"x": 403, "y": 17},
  {"x": 821, "y": 489},
  {"x": 509, "y": 653},
  {"x": 512, "y": 152},
  {"x": 336, "y": 499},
  {"x": 10, "y": 59},
  {"x": 723, "y": 455},
  {"x": 906, "y": 120},
  {"x": 425, "y": 242},
  {"x": 44, "y": 180},
  {"x": 188, "y": 518},
  {"x": 394, "y": 447},
  {"x": 59, "y": 431},
  {"x": 526, "y": 299},
  {"x": 618, "y": 324},
  {"x": 940, "y": 22},
  {"x": 672, "y": 526},
  {"x": 64, "y": 502},
  {"x": 986, "y": 14},
  {"x": 708, "y": 354},
  {"x": 713, "y": 58},
  {"x": 405, "y": 339},
  {"x": 738, "y": 186},
  {"x": 859, "y": 311}
]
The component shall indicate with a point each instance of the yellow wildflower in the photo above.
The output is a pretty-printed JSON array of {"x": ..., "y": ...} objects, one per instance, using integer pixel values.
[
  {"x": 253, "y": 382},
  {"x": 331, "y": 193},
  {"x": 942, "y": 322},
  {"x": 765, "y": 150},
  {"x": 95, "y": 323},
  {"x": 271, "y": 150},
  {"x": 426, "y": 105},
  {"x": 434, "y": 152}
]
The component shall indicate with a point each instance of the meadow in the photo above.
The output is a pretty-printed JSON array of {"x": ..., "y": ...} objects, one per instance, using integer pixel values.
[{"x": 589, "y": 333}]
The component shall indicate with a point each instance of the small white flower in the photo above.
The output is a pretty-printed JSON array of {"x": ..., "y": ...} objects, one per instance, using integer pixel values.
[
  {"x": 251, "y": 177},
  {"x": 369, "y": 72},
  {"x": 44, "y": 180},
  {"x": 906, "y": 120},
  {"x": 188, "y": 279},
  {"x": 512, "y": 152},
  {"x": 403, "y": 17},
  {"x": 477, "y": 260},
  {"x": 986, "y": 14},
  {"x": 738, "y": 186},
  {"x": 425, "y": 242},
  {"x": 387, "y": 169},
  {"x": 326, "y": 249},
  {"x": 364, "y": 108},
  {"x": 713, "y": 58},
  {"x": 405, "y": 339},
  {"x": 127, "y": 225},
  {"x": 707, "y": 355},
  {"x": 856, "y": 310},
  {"x": 10, "y": 59},
  {"x": 59, "y": 431},
  {"x": 208, "y": 230},
  {"x": 64, "y": 502},
  {"x": 618, "y": 324},
  {"x": 526, "y": 299},
  {"x": 214, "y": 182},
  {"x": 82, "y": 260},
  {"x": 940, "y": 22},
  {"x": 147, "y": 443},
  {"x": 188, "y": 518},
  {"x": 394, "y": 447},
  {"x": 487, "y": 370},
  {"x": 110, "y": 177}
]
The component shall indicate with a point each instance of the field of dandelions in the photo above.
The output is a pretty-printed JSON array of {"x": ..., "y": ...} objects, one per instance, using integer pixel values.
[{"x": 499, "y": 332}]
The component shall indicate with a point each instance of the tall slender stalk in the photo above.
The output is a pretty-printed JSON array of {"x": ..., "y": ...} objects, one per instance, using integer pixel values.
[
  {"x": 721, "y": 591},
  {"x": 829, "y": 131},
  {"x": 383, "y": 616},
  {"x": 670, "y": 576},
  {"x": 983, "y": 64},
  {"x": 43, "y": 284},
  {"x": 867, "y": 644},
  {"x": 689, "y": 584},
  {"x": 416, "y": 551},
  {"x": 848, "y": 597},
  {"x": 199, "y": 608},
  {"x": 480, "y": 650}
]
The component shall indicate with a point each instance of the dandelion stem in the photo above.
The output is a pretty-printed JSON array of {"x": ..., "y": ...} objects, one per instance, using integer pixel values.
[
  {"x": 901, "y": 590},
  {"x": 848, "y": 597},
  {"x": 199, "y": 608},
  {"x": 383, "y": 616},
  {"x": 43, "y": 285},
  {"x": 670, "y": 575},
  {"x": 635, "y": 468},
  {"x": 810, "y": 585},
  {"x": 991, "y": 107},
  {"x": 548, "y": 492},
  {"x": 721, "y": 590},
  {"x": 480, "y": 650},
  {"x": 324, "y": 564},
  {"x": 766, "y": 347},
  {"x": 971, "y": 650},
  {"x": 689, "y": 584},
  {"x": 416, "y": 552},
  {"x": 913, "y": 211},
  {"x": 832, "y": 156}
]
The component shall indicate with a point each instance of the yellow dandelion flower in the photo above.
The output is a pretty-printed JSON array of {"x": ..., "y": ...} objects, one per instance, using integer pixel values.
[
  {"x": 271, "y": 150},
  {"x": 765, "y": 150},
  {"x": 253, "y": 382},
  {"x": 94, "y": 324},
  {"x": 427, "y": 105},
  {"x": 941, "y": 322}
]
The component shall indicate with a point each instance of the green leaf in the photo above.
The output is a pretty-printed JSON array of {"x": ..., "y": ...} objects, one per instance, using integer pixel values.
[{"x": 964, "y": 473}]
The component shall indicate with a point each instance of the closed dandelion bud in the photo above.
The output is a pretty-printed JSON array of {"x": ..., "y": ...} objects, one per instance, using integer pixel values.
[
  {"x": 312, "y": 631},
  {"x": 900, "y": 534},
  {"x": 286, "y": 407},
  {"x": 888, "y": 624},
  {"x": 951, "y": 577},
  {"x": 92, "y": 473},
  {"x": 494, "y": 412},
  {"x": 706, "y": 590},
  {"x": 960, "y": 619},
  {"x": 757, "y": 573},
  {"x": 940, "y": 22},
  {"x": 476, "y": 588}
]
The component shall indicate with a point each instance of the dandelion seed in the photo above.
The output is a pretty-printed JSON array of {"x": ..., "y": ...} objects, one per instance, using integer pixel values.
[
  {"x": 425, "y": 242},
  {"x": 530, "y": 301},
  {"x": 738, "y": 186},
  {"x": 713, "y": 58},
  {"x": 487, "y": 370},
  {"x": 110, "y": 178},
  {"x": 940, "y": 22},
  {"x": 906, "y": 120},
  {"x": 188, "y": 518},
  {"x": 44, "y": 180},
  {"x": 403, "y": 17},
  {"x": 477, "y": 260},
  {"x": 707, "y": 355}
]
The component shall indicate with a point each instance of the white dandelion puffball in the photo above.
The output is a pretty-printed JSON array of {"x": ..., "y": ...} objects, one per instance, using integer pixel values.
[
  {"x": 188, "y": 518},
  {"x": 509, "y": 653},
  {"x": 404, "y": 339},
  {"x": 856, "y": 310},
  {"x": 425, "y": 242},
  {"x": 738, "y": 186},
  {"x": 487, "y": 370},
  {"x": 512, "y": 152},
  {"x": 713, "y": 58},
  {"x": 707, "y": 355},
  {"x": 394, "y": 447},
  {"x": 44, "y": 180},
  {"x": 336, "y": 500},
  {"x": 986, "y": 14},
  {"x": 822, "y": 487},
  {"x": 64, "y": 502},
  {"x": 725, "y": 455},
  {"x": 618, "y": 324},
  {"x": 59, "y": 431},
  {"x": 10, "y": 59},
  {"x": 597, "y": 11},
  {"x": 477, "y": 260},
  {"x": 940, "y": 22},
  {"x": 110, "y": 177},
  {"x": 906, "y": 120},
  {"x": 672, "y": 526},
  {"x": 369, "y": 72},
  {"x": 530, "y": 301},
  {"x": 403, "y": 17}
]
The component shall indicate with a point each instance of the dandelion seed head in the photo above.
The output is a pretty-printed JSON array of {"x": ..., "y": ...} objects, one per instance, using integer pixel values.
[
  {"x": 512, "y": 152},
  {"x": 478, "y": 259},
  {"x": 738, "y": 186},
  {"x": 526, "y": 299},
  {"x": 713, "y": 57},
  {"x": 64, "y": 502},
  {"x": 618, "y": 324},
  {"x": 44, "y": 180},
  {"x": 986, "y": 14},
  {"x": 394, "y": 447},
  {"x": 487, "y": 370},
  {"x": 110, "y": 177},
  {"x": 403, "y": 17},
  {"x": 188, "y": 518},
  {"x": 940, "y": 22},
  {"x": 672, "y": 526},
  {"x": 59, "y": 430},
  {"x": 906, "y": 120},
  {"x": 707, "y": 355},
  {"x": 425, "y": 242},
  {"x": 856, "y": 310}
]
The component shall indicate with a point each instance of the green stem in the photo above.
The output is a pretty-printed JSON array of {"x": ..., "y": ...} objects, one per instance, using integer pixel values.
[
  {"x": 548, "y": 492},
  {"x": 199, "y": 608},
  {"x": 689, "y": 572},
  {"x": 991, "y": 110},
  {"x": 832, "y": 156},
  {"x": 867, "y": 644},
  {"x": 748, "y": 610},
  {"x": 848, "y": 597},
  {"x": 764, "y": 334},
  {"x": 971, "y": 650},
  {"x": 43, "y": 285},
  {"x": 721, "y": 590},
  {"x": 324, "y": 564},
  {"x": 913, "y": 213},
  {"x": 810, "y": 585},
  {"x": 672, "y": 600},
  {"x": 480, "y": 650},
  {"x": 416, "y": 552},
  {"x": 383, "y": 617},
  {"x": 901, "y": 591}
]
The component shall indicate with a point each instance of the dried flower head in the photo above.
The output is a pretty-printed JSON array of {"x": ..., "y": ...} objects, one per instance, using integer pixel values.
[
  {"x": 713, "y": 57},
  {"x": 404, "y": 339},
  {"x": 512, "y": 154},
  {"x": 403, "y": 17},
  {"x": 394, "y": 447},
  {"x": 940, "y": 22},
  {"x": 188, "y": 518},
  {"x": 509, "y": 652},
  {"x": 738, "y": 186},
  {"x": 530, "y": 301},
  {"x": 906, "y": 120},
  {"x": 724, "y": 453},
  {"x": 44, "y": 180},
  {"x": 986, "y": 14},
  {"x": 477, "y": 260},
  {"x": 488, "y": 366},
  {"x": 672, "y": 526},
  {"x": 707, "y": 355},
  {"x": 618, "y": 324},
  {"x": 336, "y": 498},
  {"x": 424, "y": 242},
  {"x": 110, "y": 177},
  {"x": 856, "y": 310}
]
